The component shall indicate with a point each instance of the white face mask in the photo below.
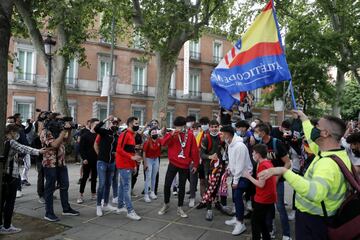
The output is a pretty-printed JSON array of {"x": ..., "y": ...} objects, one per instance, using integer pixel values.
[
  {"x": 189, "y": 124},
  {"x": 214, "y": 134},
  {"x": 205, "y": 127}
]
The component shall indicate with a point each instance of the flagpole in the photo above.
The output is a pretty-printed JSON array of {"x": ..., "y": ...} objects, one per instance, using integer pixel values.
[
  {"x": 108, "y": 110},
  {"x": 292, "y": 95}
]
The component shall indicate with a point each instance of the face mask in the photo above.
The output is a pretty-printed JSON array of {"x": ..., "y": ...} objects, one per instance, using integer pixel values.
[
  {"x": 214, "y": 134},
  {"x": 155, "y": 136},
  {"x": 114, "y": 128},
  {"x": 253, "y": 125},
  {"x": 205, "y": 127},
  {"x": 17, "y": 136},
  {"x": 135, "y": 128},
  {"x": 233, "y": 125},
  {"x": 239, "y": 133},
  {"x": 189, "y": 124},
  {"x": 257, "y": 137},
  {"x": 315, "y": 134},
  {"x": 227, "y": 141},
  {"x": 356, "y": 153}
]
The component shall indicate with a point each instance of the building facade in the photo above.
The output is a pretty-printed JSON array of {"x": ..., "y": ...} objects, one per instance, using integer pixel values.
[{"x": 135, "y": 87}]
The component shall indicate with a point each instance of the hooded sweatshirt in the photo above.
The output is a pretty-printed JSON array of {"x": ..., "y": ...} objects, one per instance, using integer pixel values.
[{"x": 239, "y": 159}]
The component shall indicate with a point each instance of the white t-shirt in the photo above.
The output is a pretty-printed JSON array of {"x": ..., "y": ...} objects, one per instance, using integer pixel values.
[{"x": 355, "y": 160}]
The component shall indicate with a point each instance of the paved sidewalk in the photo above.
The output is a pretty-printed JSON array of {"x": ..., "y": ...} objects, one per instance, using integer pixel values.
[{"x": 112, "y": 226}]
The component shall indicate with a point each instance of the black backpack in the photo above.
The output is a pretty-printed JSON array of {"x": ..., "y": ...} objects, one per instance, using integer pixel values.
[{"x": 346, "y": 222}]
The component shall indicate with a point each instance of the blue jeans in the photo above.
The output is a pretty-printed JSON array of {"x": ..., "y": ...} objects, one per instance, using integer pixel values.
[
  {"x": 105, "y": 172},
  {"x": 152, "y": 169},
  {"x": 124, "y": 193},
  {"x": 115, "y": 184},
  {"x": 243, "y": 184},
  {"x": 59, "y": 174},
  {"x": 280, "y": 205}
]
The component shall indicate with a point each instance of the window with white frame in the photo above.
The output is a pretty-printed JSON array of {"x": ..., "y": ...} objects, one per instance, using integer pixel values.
[
  {"x": 195, "y": 113},
  {"x": 24, "y": 106},
  {"x": 71, "y": 73},
  {"x": 102, "y": 112},
  {"x": 194, "y": 48},
  {"x": 72, "y": 109},
  {"x": 194, "y": 84},
  {"x": 217, "y": 51},
  {"x": 139, "y": 77},
  {"x": 104, "y": 71},
  {"x": 139, "y": 112},
  {"x": 257, "y": 94},
  {"x": 172, "y": 86},
  {"x": 170, "y": 118},
  {"x": 25, "y": 65}
]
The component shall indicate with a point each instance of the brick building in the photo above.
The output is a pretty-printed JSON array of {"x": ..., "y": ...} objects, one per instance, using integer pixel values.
[{"x": 135, "y": 88}]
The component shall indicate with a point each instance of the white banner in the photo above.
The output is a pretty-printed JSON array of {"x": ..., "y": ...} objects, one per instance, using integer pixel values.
[{"x": 186, "y": 67}]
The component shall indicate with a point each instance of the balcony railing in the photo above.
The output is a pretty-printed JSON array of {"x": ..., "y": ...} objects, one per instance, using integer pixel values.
[
  {"x": 71, "y": 82},
  {"x": 195, "y": 95},
  {"x": 216, "y": 59},
  {"x": 139, "y": 89},
  {"x": 24, "y": 77},
  {"x": 195, "y": 55},
  {"x": 172, "y": 92}
]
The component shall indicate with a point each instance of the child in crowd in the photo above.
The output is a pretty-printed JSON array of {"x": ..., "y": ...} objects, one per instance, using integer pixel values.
[
  {"x": 151, "y": 153},
  {"x": 265, "y": 195}
]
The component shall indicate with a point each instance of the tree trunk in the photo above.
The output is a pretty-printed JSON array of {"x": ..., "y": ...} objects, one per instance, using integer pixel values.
[
  {"x": 6, "y": 8},
  {"x": 59, "y": 101},
  {"x": 165, "y": 68},
  {"x": 340, "y": 84}
]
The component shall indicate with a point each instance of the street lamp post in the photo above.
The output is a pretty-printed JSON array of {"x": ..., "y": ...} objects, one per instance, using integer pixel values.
[{"x": 49, "y": 43}]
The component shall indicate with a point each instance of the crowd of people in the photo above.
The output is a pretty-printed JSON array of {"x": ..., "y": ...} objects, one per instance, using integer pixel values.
[{"x": 257, "y": 157}]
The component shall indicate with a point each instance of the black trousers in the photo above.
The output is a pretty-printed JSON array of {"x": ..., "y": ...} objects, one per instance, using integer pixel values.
[
  {"x": 41, "y": 179},
  {"x": 87, "y": 169},
  {"x": 9, "y": 188},
  {"x": 258, "y": 221},
  {"x": 170, "y": 175},
  {"x": 308, "y": 227}
]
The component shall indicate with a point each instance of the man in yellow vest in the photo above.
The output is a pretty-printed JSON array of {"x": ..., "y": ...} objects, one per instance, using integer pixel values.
[{"x": 323, "y": 180}]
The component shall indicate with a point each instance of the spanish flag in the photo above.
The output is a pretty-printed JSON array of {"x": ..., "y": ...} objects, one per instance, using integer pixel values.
[{"x": 255, "y": 61}]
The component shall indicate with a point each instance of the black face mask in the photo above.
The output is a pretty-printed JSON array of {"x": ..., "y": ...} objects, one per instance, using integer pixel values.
[
  {"x": 155, "y": 136},
  {"x": 114, "y": 128},
  {"x": 135, "y": 128},
  {"x": 356, "y": 153},
  {"x": 315, "y": 134}
]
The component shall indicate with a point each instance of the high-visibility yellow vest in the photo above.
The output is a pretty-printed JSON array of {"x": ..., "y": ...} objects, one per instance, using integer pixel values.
[{"x": 323, "y": 180}]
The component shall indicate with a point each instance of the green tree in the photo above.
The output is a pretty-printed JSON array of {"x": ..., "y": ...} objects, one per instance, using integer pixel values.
[
  {"x": 71, "y": 22},
  {"x": 350, "y": 100},
  {"x": 165, "y": 27}
]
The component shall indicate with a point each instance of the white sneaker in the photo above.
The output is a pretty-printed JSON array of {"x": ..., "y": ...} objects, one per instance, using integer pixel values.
[
  {"x": 192, "y": 202},
  {"x": 153, "y": 196},
  {"x": 249, "y": 206},
  {"x": 291, "y": 215},
  {"x": 10, "y": 230},
  {"x": 133, "y": 216},
  {"x": 164, "y": 209},
  {"x": 99, "y": 211},
  {"x": 19, "y": 194},
  {"x": 272, "y": 234},
  {"x": 181, "y": 212},
  {"x": 80, "y": 200},
  {"x": 121, "y": 210},
  {"x": 147, "y": 198},
  {"x": 231, "y": 222},
  {"x": 239, "y": 228},
  {"x": 286, "y": 238},
  {"x": 109, "y": 208},
  {"x": 115, "y": 201},
  {"x": 41, "y": 200},
  {"x": 175, "y": 193}
]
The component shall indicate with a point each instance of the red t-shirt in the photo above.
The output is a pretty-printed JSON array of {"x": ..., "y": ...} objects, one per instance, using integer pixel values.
[
  {"x": 267, "y": 194},
  {"x": 98, "y": 139},
  {"x": 152, "y": 148}
]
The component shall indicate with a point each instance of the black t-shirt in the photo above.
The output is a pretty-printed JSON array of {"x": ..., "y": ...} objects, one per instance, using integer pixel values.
[{"x": 275, "y": 155}]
